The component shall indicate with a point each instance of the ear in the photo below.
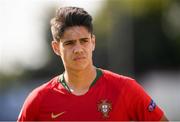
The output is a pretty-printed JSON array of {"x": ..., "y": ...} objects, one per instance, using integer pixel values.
[
  {"x": 93, "y": 41},
  {"x": 55, "y": 47}
]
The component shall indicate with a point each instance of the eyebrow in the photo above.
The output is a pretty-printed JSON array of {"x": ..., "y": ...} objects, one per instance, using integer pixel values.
[{"x": 75, "y": 39}]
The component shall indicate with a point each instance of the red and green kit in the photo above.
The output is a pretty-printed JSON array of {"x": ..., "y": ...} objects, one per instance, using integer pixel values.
[{"x": 110, "y": 97}]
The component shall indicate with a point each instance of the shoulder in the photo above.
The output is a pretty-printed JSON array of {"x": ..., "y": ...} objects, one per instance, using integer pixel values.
[
  {"x": 39, "y": 92},
  {"x": 32, "y": 103},
  {"x": 121, "y": 82},
  {"x": 116, "y": 78},
  {"x": 46, "y": 87}
]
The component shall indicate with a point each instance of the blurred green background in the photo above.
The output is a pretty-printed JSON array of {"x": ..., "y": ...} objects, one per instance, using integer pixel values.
[{"x": 137, "y": 38}]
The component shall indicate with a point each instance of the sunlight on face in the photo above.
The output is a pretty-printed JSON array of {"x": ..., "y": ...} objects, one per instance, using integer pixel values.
[{"x": 76, "y": 47}]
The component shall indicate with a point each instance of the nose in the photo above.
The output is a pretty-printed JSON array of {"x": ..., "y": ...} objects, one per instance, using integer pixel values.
[{"x": 77, "y": 48}]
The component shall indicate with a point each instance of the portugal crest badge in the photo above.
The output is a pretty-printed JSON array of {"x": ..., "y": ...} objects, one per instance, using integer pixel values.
[{"x": 104, "y": 107}]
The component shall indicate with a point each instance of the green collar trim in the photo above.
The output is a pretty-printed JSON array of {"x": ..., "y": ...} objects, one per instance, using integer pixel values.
[
  {"x": 62, "y": 79},
  {"x": 98, "y": 75}
]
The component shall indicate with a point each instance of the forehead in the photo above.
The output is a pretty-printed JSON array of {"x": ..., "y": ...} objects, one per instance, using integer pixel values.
[{"x": 75, "y": 32}]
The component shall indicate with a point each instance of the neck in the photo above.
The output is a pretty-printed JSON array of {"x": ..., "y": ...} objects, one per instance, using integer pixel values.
[{"x": 80, "y": 81}]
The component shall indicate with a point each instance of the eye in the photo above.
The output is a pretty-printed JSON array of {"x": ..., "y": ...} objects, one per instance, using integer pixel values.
[
  {"x": 85, "y": 40},
  {"x": 69, "y": 43}
]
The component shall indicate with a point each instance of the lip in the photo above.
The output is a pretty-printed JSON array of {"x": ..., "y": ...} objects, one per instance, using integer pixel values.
[{"x": 78, "y": 58}]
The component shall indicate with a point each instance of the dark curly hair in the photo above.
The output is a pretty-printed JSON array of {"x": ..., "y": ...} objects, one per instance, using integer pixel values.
[{"x": 67, "y": 17}]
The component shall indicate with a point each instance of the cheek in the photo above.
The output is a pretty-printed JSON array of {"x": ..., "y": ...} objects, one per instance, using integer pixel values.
[
  {"x": 91, "y": 49},
  {"x": 66, "y": 55}
]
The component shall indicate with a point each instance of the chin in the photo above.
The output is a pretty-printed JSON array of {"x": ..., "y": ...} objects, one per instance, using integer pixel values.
[{"x": 80, "y": 66}]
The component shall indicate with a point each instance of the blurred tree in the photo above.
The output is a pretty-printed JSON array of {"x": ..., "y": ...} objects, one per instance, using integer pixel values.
[
  {"x": 154, "y": 50},
  {"x": 115, "y": 38},
  {"x": 132, "y": 33},
  {"x": 132, "y": 38},
  {"x": 54, "y": 66}
]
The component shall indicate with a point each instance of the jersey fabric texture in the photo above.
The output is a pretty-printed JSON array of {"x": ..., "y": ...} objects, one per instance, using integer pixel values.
[{"x": 111, "y": 97}]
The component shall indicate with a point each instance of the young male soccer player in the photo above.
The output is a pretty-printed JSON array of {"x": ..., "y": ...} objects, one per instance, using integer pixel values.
[{"x": 84, "y": 92}]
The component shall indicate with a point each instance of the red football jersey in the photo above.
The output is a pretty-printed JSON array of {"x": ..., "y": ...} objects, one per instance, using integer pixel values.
[{"x": 111, "y": 97}]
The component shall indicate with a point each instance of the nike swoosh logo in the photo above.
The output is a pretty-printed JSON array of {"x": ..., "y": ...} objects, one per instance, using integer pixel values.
[{"x": 54, "y": 116}]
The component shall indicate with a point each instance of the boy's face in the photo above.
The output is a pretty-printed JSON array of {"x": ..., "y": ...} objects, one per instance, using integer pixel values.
[{"x": 75, "y": 48}]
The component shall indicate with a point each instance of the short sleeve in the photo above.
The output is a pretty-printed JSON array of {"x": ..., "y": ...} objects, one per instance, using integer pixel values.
[
  {"x": 142, "y": 107},
  {"x": 30, "y": 107}
]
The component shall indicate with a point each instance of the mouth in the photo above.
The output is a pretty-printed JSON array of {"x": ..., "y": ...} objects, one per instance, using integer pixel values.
[{"x": 78, "y": 58}]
